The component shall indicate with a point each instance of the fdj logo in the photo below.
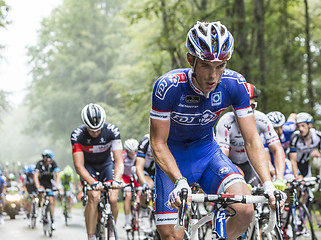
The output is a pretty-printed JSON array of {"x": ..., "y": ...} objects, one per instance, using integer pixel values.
[
  {"x": 194, "y": 119},
  {"x": 223, "y": 170},
  {"x": 216, "y": 99},
  {"x": 165, "y": 84}
]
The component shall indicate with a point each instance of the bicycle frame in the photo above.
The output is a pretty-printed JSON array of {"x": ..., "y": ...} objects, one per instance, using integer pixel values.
[{"x": 218, "y": 215}]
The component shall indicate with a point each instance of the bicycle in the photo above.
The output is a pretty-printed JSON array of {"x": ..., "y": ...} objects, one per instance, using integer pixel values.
[
  {"x": 46, "y": 213},
  {"x": 261, "y": 219},
  {"x": 33, "y": 210},
  {"x": 135, "y": 204},
  {"x": 106, "y": 226},
  {"x": 65, "y": 207},
  {"x": 297, "y": 223},
  {"x": 313, "y": 204},
  {"x": 219, "y": 214}
]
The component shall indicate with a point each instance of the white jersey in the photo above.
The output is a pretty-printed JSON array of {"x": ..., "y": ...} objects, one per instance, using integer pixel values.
[
  {"x": 229, "y": 137},
  {"x": 304, "y": 150},
  {"x": 128, "y": 164}
]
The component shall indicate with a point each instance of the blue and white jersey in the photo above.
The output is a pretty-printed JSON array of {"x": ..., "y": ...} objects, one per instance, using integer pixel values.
[
  {"x": 288, "y": 128},
  {"x": 193, "y": 115}
]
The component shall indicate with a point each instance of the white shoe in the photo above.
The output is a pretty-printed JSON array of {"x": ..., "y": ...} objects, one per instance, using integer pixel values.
[
  {"x": 127, "y": 227},
  {"x": 53, "y": 226},
  {"x": 1, "y": 220}
]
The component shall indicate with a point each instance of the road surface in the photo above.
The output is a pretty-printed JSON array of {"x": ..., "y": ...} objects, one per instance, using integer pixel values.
[
  {"x": 76, "y": 230},
  {"x": 18, "y": 228}
]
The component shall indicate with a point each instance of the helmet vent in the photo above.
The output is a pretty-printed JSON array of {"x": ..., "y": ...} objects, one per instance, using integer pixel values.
[
  {"x": 204, "y": 46},
  {"x": 224, "y": 47},
  {"x": 201, "y": 29}
]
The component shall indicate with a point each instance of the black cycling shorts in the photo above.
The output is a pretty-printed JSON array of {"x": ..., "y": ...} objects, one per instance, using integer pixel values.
[{"x": 101, "y": 172}]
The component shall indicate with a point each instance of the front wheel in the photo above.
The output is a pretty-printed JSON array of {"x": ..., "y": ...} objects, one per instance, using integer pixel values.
[
  {"x": 33, "y": 217},
  {"x": 47, "y": 221},
  {"x": 110, "y": 227},
  {"x": 302, "y": 227}
]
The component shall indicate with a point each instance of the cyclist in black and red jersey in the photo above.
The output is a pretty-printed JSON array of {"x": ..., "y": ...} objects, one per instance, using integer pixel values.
[{"x": 93, "y": 145}]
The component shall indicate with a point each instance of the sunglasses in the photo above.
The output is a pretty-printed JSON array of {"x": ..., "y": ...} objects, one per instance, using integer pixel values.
[
  {"x": 208, "y": 56},
  {"x": 253, "y": 105},
  {"x": 93, "y": 130},
  {"x": 47, "y": 156}
]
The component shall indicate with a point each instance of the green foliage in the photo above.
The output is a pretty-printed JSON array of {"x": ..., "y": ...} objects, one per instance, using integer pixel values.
[{"x": 111, "y": 52}]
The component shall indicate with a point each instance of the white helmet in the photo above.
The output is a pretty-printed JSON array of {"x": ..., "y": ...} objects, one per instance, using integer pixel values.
[
  {"x": 131, "y": 145},
  {"x": 93, "y": 116},
  {"x": 210, "y": 41},
  {"x": 304, "y": 117},
  {"x": 277, "y": 118}
]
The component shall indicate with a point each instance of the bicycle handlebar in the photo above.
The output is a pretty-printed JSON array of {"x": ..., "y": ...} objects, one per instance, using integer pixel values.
[
  {"x": 180, "y": 217},
  {"x": 223, "y": 198}
]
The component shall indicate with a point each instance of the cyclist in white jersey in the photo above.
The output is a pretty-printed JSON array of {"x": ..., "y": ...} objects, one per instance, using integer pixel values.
[
  {"x": 229, "y": 137},
  {"x": 145, "y": 170},
  {"x": 303, "y": 142},
  {"x": 129, "y": 157}
]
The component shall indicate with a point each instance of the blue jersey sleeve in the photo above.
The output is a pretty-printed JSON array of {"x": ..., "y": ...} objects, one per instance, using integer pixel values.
[
  {"x": 239, "y": 93},
  {"x": 165, "y": 92}
]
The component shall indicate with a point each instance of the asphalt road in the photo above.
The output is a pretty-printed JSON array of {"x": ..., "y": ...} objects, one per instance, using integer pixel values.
[
  {"x": 76, "y": 230},
  {"x": 18, "y": 228}
]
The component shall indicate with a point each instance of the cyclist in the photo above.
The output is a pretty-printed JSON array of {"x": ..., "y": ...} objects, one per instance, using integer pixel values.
[
  {"x": 229, "y": 137},
  {"x": 46, "y": 176},
  {"x": 185, "y": 106},
  {"x": 145, "y": 170},
  {"x": 12, "y": 185},
  {"x": 29, "y": 187},
  {"x": 302, "y": 144},
  {"x": 284, "y": 129},
  {"x": 67, "y": 185},
  {"x": 2, "y": 185},
  {"x": 129, "y": 157},
  {"x": 92, "y": 145}
]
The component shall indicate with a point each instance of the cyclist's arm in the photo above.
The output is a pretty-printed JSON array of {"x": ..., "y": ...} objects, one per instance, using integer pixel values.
[
  {"x": 140, "y": 163},
  {"x": 79, "y": 163},
  {"x": 293, "y": 156},
  {"x": 254, "y": 147},
  {"x": 119, "y": 164},
  {"x": 159, "y": 131},
  {"x": 36, "y": 179},
  {"x": 57, "y": 179},
  {"x": 279, "y": 159}
]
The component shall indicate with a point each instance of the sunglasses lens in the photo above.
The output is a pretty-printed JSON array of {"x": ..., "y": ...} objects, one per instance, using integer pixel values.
[{"x": 208, "y": 56}]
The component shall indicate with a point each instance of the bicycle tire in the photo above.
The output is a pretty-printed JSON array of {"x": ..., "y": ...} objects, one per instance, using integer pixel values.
[
  {"x": 65, "y": 212},
  {"x": 315, "y": 212},
  {"x": 33, "y": 218},
  {"x": 49, "y": 219},
  {"x": 44, "y": 221},
  {"x": 301, "y": 223},
  {"x": 111, "y": 228},
  {"x": 99, "y": 226}
]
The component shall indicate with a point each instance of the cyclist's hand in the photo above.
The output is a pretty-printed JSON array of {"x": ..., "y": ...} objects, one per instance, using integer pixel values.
[
  {"x": 117, "y": 184},
  {"x": 270, "y": 190},
  {"x": 279, "y": 184},
  {"x": 174, "y": 199},
  {"x": 145, "y": 187},
  {"x": 96, "y": 185}
]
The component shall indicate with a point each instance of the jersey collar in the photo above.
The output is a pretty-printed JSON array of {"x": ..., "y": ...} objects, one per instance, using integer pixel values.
[{"x": 198, "y": 91}]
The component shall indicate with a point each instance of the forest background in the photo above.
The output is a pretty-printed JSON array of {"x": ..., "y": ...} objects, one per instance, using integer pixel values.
[{"x": 112, "y": 51}]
